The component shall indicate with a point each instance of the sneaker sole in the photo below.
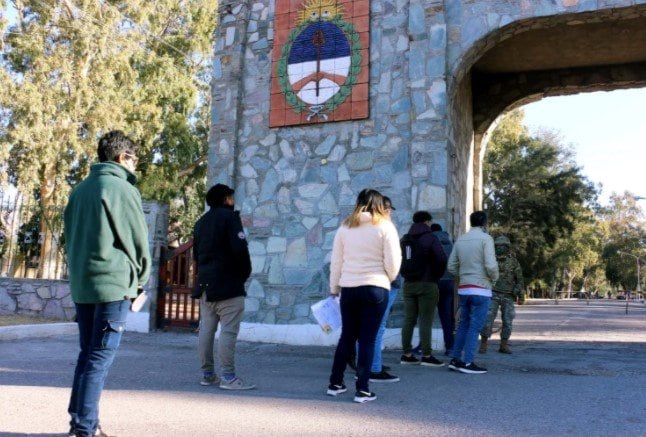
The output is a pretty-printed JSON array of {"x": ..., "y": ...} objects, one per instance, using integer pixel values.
[
  {"x": 363, "y": 400},
  {"x": 336, "y": 392},
  {"x": 453, "y": 368},
  {"x": 472, "y": 372},
  {"x": 432, "y": 365},
  {"x": 406, "y": 363},
  {"x": 384, "y": 380}
]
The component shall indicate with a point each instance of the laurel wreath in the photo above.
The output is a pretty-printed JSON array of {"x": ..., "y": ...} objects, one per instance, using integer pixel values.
[{"x": 345, "y": 89}]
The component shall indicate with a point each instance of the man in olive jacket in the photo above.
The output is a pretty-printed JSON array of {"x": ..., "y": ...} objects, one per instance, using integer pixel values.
[
  {"x": 223, "y": 266},
  {"x": 106, "y": 242}
]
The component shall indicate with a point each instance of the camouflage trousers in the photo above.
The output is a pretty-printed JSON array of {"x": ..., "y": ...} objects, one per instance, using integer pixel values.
[{"x": 506, "y": 304}]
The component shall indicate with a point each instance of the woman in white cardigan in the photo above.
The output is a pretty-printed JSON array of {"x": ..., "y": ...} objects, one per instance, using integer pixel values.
[{"x": 366, "y": 257}]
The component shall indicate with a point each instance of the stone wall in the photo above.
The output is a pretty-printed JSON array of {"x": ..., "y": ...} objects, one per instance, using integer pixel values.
[
  {"x": 42, "y": 297},
  {"x": 419, "y": 146},
  {"x": 52, "y": 299}
]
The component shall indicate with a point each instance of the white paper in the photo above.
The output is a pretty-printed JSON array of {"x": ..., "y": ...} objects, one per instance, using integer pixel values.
[
  {"x": 139, "y": 302},
  {"x": 327, "y": 313}
]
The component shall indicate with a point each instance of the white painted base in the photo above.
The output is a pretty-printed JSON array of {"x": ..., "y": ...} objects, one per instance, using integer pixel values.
[
  {"x": 138, "y": 322},
  {"x": 313, "y": 335}
]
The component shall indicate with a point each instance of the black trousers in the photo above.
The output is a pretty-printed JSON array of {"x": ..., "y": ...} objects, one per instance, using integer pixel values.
[{"x": 362, "y": 309}]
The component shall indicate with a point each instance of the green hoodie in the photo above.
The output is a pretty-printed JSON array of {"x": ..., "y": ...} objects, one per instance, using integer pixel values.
[{"x": 106, "y": 236}]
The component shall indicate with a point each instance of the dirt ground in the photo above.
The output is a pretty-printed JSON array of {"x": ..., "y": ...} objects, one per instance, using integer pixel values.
[{"x": 22, "y": 319}]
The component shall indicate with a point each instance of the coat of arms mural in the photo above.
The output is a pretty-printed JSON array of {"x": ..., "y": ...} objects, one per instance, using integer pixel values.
[{"x": 320, "y": 61}]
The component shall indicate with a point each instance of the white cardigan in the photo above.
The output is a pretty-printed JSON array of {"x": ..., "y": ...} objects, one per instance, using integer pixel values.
[{"x": 368, "y": 254}]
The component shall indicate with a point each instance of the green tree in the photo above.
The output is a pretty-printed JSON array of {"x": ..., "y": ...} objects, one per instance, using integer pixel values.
[
  {"x": 579, "y": 256},
  {"x": 535, "y": 194},
  {"x": 75, "y": 69},
  {"x": 627, "y": 234}
]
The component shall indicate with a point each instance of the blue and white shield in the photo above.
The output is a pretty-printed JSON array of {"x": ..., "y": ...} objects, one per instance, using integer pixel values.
[{"x": 319, "y": 62}]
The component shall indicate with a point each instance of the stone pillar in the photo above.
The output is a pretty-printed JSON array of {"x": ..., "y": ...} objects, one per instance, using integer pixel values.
[
  {"x": 157, "y": 221},
  {"x": 226, "y": 91},
  {"x": 429, "y": 145}
]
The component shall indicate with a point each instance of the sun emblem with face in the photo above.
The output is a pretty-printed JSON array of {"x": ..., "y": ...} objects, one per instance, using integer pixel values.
[
  {"x": 316, "y": 10},
  {"x": 320, "y": 61}
]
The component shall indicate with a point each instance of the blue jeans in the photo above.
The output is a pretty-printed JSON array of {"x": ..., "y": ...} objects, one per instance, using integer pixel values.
[
  {"x": 473, "y": 315},
  {"x": 362, "y": 309},
  {"x": 100, "y": 328},
  {"x": 379, "y": 341},
  {"x": 445, "y": 311}
]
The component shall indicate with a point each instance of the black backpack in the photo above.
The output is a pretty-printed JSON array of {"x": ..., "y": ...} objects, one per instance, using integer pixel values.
[{"x": 413, "y": 260}]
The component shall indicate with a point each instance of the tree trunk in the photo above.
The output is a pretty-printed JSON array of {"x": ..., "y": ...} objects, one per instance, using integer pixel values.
[{"x": 47, "y": 265}]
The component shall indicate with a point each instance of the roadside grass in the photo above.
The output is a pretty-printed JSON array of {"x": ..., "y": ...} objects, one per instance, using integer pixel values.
[{"x": 22, "y": 319}]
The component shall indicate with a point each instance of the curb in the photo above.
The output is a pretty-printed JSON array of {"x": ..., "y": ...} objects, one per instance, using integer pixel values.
[{"x": 43, "y": 330}]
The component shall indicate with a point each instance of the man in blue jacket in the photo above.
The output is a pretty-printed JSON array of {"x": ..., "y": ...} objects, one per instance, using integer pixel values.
[
  {"x": 223, "y": 266},
  {"x": 106, "y": 242}
]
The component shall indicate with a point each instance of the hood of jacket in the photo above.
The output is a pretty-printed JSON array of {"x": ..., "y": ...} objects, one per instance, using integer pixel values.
[{"x": 419, "y": 229}]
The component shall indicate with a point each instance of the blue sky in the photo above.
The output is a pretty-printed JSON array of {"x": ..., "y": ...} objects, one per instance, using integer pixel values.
[{"x": 607, "y": 131}]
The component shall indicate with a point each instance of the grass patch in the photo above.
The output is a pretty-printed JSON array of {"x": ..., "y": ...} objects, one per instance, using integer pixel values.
[{"x": 22, "y": 319}]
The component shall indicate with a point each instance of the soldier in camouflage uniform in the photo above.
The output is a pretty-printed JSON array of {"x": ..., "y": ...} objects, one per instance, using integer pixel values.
[{"x": 506, "y": 290}]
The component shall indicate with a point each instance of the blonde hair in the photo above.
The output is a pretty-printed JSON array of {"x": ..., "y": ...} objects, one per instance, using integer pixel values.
[{"x": 371, "y": 201}]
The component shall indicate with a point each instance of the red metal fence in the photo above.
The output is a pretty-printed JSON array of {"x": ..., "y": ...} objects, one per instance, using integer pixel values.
[{"x": 175, "y": 307}]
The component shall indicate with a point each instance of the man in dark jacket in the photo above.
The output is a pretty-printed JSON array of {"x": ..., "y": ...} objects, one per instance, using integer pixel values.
[
  {"x": 421, "y": 291},
  {"x": 223, "y": 266},
  {"x": 446, "y": 285},
  {"x": 106, "y": 243}
]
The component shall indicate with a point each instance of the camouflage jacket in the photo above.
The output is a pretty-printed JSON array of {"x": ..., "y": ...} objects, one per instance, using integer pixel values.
[{"x": 510, "y": 280}]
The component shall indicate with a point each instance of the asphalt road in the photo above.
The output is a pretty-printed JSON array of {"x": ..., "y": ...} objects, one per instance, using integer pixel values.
[{"x": 577, "y": 369}]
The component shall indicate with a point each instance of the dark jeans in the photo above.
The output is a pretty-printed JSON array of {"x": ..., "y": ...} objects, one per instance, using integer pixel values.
[
  {"x": 362, "y": 309},
  {"x": 445, "y": 311},
  {"x": 100, "y": 329}
]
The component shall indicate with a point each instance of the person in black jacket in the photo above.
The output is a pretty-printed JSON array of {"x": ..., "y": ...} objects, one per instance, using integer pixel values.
[
  {"x": 421, "y": 292},
  {"x": 223, "y": 266}
]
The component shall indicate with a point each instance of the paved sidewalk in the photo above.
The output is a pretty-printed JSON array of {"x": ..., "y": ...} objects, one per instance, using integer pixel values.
[{"x": 577, "y": 369}]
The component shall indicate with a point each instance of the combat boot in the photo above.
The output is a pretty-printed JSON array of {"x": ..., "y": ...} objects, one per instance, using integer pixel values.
[
  {"x": 483, "y": 345},
  {"x": 504, "y": 347}
]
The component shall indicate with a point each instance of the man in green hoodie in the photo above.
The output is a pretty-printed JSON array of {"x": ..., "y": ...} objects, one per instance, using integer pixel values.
[{"x": 106, "y": 241}]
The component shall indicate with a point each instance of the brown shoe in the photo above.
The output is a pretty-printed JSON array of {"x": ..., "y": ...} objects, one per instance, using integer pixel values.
[
  {"x": 504, "y": 347},
  {"x": 483, "y": 345}
]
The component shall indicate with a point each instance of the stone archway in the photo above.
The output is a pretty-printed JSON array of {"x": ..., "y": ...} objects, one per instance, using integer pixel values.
[
  {"x": 440, "y": 74},
  {"x": 570, "y": 54}
]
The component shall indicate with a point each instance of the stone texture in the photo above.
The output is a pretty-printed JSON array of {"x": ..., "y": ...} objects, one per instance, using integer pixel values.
[
  {"x": 7, "y": 303},
  {"x": 429, "y": 110}
]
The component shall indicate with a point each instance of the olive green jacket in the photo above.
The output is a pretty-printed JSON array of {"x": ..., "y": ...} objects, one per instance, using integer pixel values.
[{"x": 106, "y": 236}]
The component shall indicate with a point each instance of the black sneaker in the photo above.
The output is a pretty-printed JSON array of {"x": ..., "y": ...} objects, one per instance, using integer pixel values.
[
  {"x": 431, "y": 362},
  {"x": 383, "y": 376},
  {"x": 472, "y": 368},
  {"x": 336, "y": 389},
  {"x": 385, "y": 368},
  {"x": 364, "y": 396},
  {"x": 455, "y": 364},
  {"x": 408, "y": 360}
]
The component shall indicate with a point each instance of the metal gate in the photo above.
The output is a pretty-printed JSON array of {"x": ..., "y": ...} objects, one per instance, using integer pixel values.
[{"x": 177, "y": 277}]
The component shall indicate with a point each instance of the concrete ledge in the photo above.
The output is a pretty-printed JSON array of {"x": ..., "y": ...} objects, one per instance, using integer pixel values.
[
  {"x": 313, "y": 335},
  {"x": 298, "y": 335},
  {"x": 44, "y": 330}
]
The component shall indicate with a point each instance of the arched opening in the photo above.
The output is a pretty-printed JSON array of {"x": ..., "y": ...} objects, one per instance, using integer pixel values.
[{"x": 539, "y": 57}]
